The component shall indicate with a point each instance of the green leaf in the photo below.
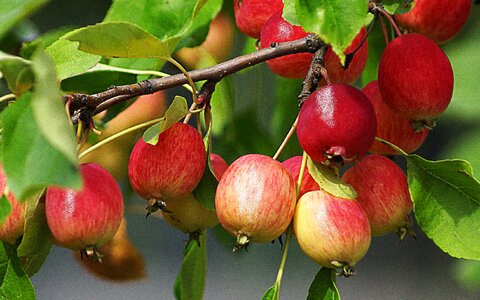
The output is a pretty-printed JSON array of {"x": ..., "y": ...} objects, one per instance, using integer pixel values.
[
  {"x": 335, "y": 22},
  {"x": 398, "y": 6},
  {"x": 289, "y": 12},
  {"x": 120, "y": 39},
  {"x": 49, "y": 110},
  {"x": 14, "y": 283},
  {"x": 376, "y": 45},
  {"x": 273, "y": 293},
  {"x": 69, "y": 61},
  {"x": 323, "y": 286},
  {"x": 467, "y": 272},
  {"x": 446, "y": 200},
  {"x": 329, "y": 181},
  {"x": 43, "y": 41},
  {"x": 207, "y": 187},
  {"x": 31, "y": 163},
  {"x": 12, "y": 11},
  {"x": 5, "y": 208},
  {"x": 177, "y": 110},
  {"x": 96, "y": 81},
  {"x": 200, "y": 26},
  {"x": 37, "y": 239},
  {"x": 190, "y": 282},
  {"x": 17, "y": 72},
  {"x": 162, "y": 18}
]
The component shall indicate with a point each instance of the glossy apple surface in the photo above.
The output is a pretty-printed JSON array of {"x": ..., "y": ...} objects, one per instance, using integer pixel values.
[
  {"x": 171, "y": 168},
  {"x": 277, "y": 30},
  {"x": 391, "y": 126},
  {"x": 336, "y": 122},
  {"x": 382, "y": 191},
  {"x": 415, "y": 78},
  {"x": 440, "y": 20},
  {"x": 251, "y": 15},
  {"x": 89, "y": 217},
  {"x": 255, "y": 199},
  {"x": 330, "y": 230}
]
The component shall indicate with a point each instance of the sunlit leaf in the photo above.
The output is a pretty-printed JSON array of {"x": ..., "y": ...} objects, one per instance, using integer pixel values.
[
  {"x": 335, "y": 22},
  {"x": 30, "y": 162},
  {"x": 177, "y": 110},
  {"x": 446, "y": 200},
  {"x": 329, "y": 181},
  {"x": 120, "y": 39}
]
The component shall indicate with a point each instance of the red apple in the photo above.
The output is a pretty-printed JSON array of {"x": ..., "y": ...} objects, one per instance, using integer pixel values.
[
  {"x": 391, "y": 126},
  {"x": 336, "y": 72},
  {"x": 336, "y": 122},
  {"x": 255, "y": 199},
  {"x": 113, "y": 156},
  {"x": 440, "y": 20},
  {"x": 170, "y": 169},
  {"x": 219, "y": 165},
  {"x": 12, "y": 227},
  {"x": 293, "y": 165},
  {"x": 382, "y": 191},
  {"x": 86, "y": 218},
  {"x": 251, "y": 15},
  {"x": 277, "y": 30},
  {"x": 332, "y": 231},
  {"x": 415, "y": 78}
]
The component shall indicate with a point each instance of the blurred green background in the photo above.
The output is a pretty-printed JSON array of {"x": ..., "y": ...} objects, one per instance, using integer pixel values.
[{"x": 264, "y": 107}]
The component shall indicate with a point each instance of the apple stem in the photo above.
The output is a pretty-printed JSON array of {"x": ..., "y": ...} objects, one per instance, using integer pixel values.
[
  {"x": 384, "y": 30},
  {"x": 286, "y": 139},
  {"x": 377, "y": 7}
]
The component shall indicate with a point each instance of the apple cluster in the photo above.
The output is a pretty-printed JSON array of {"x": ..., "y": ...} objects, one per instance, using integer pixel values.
[{"x": 337, "y": 125}]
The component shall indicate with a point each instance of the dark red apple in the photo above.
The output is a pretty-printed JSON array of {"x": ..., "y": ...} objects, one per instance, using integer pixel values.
[
  {"x": 293, "y": 165},
  {"x": 336, "y": 122},
  {"x": 332, "y": 231},
  {"x": 277, "y": 30},
  {"x": 391, "y": 126},
  {"x": 12, "y": 227},
  {"x": 170, "y": 169},
  {"x": 440, "y": 20},
  {"x": 86, "y": 218},
  {"x": 255, "y": 199},
  {"x": 415, "y": 78},
  {"x": 336, "y": 72},
  {"x": 251, "y": 15},
  {"x": 382, "y": 191}
]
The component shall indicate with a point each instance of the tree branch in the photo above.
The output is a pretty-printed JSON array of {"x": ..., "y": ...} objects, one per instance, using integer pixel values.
[{"x": 96, "y": 103}]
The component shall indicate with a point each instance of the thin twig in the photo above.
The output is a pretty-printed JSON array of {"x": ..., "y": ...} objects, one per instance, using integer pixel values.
[{"x": 103, "y": 100}]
